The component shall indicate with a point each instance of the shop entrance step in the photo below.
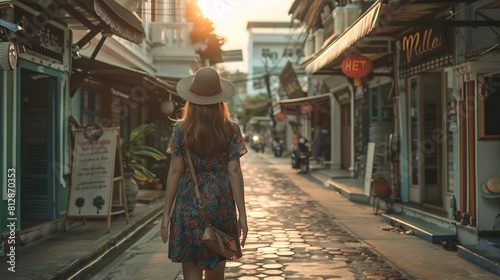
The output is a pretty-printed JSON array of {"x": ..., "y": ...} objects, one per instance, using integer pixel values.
[
  {"x": 486, "y": 254},
  {"x": 426, "y": 228}
]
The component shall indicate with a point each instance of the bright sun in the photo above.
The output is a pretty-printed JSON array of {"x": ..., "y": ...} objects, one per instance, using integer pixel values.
[{"x": 208, "y": 10}]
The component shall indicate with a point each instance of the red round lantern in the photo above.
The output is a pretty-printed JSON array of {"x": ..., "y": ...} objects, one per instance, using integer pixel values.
[
  {"x": 280, "y": 116},
  {"x": 306, "y": 108},
  {"x": 357, "y": 66}
]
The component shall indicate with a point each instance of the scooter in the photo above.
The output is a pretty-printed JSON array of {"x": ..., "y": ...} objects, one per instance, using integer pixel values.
[
  {"x": 255, "y": 144},
  {"x": 300, "y": 157},
  {"x": 278, "y": 147}
]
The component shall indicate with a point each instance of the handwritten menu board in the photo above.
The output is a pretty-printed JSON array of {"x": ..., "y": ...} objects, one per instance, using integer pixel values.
[{"x": 92, "y": 175}]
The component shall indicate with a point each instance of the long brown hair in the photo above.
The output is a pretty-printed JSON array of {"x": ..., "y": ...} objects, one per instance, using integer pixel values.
[{"x": 206, "y": 129}]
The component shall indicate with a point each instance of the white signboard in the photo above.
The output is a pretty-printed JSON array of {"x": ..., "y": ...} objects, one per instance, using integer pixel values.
[
  {"x": 92, "y": 175},
  {"x": 370, "y": 154}
]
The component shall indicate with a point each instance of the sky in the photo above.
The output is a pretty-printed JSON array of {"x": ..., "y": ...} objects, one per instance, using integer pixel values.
[{"x": 230, "y": 18}]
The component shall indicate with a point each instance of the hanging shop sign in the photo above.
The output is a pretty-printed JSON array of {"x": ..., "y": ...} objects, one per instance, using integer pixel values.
[
  {"x": 422, "y": 43},
  {"x": 290, "y": 82},
  {"x": 357, "y": 66},
  {"x": 425, "y": 49},
  {"x": 8, "y": 56},
  {"x": 44, "y": 39},
  {"x": 343, "y": 96}
]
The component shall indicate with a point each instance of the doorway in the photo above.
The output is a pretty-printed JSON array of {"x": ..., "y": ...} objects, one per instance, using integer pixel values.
[
  {"x": 424, "y": 139},
  {"x": 38, "y": 93}
]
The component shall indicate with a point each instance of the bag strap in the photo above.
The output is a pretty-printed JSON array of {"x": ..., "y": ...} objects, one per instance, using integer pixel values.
[{"x": 195, "y": 180}]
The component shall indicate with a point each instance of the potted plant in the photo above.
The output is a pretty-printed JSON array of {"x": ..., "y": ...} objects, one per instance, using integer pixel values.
[
  {"x": 160, "y": 169},
  {"x": 136, "y": 156}
]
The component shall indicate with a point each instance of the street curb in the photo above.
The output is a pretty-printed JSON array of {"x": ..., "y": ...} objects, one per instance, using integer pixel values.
[
  {"x": 69, "y": 271},
  {"x": 351, "y": 196}
]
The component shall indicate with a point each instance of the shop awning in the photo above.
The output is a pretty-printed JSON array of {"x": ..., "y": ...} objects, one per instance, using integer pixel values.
[
  {"x": 5, "y": 4},
  {"x": 292, "y": 106},
  {"x": 371, "y": 34},
  {"x": 10, "y": 26},
  {"x": 358, "y": 30},
  {"x": 124, "y": 76},
  {"x": 102, "y": 16}
]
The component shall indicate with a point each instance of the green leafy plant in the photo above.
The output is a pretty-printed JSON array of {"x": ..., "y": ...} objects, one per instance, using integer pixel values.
[
  {"x": 160, "y": 169},
  {"x": 137, "y": 155},
  {"x": 204, "y": 31}
]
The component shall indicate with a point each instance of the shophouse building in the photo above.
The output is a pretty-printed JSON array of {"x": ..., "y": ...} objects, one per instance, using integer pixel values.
[
  {"x": 114, "y": 63},
  {"x": 424, "y": 104}
]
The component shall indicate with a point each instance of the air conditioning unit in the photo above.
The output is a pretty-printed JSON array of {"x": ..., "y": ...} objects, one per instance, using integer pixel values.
[
  {"x": 158, "y": 36},
  {"x": 319, "y": 38},
  {"x": 350, "y": 14},
  {"x": 338, "y": 21},
  {"x": 309, "y": 47}
]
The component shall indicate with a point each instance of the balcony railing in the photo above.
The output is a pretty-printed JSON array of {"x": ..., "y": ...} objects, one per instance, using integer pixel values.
[{"x": 171, "y": 35}]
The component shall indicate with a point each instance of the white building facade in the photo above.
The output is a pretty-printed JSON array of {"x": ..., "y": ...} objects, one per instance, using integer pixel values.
[
  {"x": 271, "y": 45},
  {"x": 102, "y": 61}
]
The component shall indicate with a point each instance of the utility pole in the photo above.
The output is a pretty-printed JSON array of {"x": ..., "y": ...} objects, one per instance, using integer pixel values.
[{"x": 267, "y": 80}]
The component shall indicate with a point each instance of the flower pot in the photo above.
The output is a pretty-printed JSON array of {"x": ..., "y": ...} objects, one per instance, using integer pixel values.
[
  {"x": 157, "y": 184},
  {"x": 381, "y": 188}
]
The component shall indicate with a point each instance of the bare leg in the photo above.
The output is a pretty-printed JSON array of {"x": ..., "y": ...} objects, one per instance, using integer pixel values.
[
  {"x": 217, "y": 273},
  {"x": 191, "y": 271}
]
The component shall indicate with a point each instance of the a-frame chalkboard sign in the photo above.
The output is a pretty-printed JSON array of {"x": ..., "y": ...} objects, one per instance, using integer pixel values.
[{"x": 97, "y": 181}]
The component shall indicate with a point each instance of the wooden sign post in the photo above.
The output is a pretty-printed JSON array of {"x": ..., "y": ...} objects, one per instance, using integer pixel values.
[{"x": 96, "y": 171}]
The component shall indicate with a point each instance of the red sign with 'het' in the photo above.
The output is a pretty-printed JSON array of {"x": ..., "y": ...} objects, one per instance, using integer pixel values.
[{"x": 357, "y": 66}]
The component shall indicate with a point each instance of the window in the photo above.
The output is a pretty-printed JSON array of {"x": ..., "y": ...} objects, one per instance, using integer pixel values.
[
  {"x": 381, "y": 107},
  {"x": 258, "y": 84},
  {"x": 153, "y": 11},
  {"x": 171, "y": 11},
  {"x": 488, "y": 104},
  {"x": 91, "y": 105},
  {"x": 266, "y": 53}
]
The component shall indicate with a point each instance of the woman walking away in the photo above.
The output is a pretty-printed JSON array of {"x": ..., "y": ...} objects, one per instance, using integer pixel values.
[{"x": 215, "y": 145}]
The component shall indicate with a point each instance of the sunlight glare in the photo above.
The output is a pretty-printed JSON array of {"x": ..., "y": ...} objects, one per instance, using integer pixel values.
[{"x": 208, "y": 10}]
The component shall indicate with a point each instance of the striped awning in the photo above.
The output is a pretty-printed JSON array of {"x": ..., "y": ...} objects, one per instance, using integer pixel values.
[
  {"x": 356, "y": 31},
  {"x": 100, "y": 15}
]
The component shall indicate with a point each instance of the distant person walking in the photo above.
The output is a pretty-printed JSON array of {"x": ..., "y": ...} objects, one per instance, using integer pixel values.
[
  {"x": 263, "y": 142},
  {"x": 319, "y": 141},
  {"x": 295, "y": 136},
  {"x": 216, "y": 145}
]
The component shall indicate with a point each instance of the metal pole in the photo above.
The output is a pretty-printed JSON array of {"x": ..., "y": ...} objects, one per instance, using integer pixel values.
[{"x": 267, "y": 77}]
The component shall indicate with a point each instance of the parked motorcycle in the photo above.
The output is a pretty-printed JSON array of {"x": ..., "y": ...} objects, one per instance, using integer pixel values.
[
  {"x": 278, "y": 147},
  {"x": 300, "y": 157},
  {"x": 255, "y": 143}
]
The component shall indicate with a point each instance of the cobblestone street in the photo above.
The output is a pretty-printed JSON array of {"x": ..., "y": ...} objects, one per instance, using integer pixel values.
[
  {"x": 292, "y": 237},
  {"x": 299, "y": 229}
]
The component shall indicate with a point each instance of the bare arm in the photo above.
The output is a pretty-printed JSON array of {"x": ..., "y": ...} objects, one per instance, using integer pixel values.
[
  {"x": 237, "y": 186},
  {"x": 174, "y": 177}
]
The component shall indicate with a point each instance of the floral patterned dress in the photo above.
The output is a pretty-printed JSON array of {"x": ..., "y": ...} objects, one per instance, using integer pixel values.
[{"x": 188, "y": 220}]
